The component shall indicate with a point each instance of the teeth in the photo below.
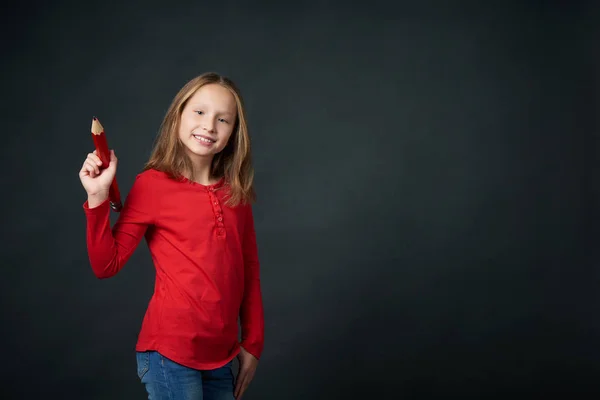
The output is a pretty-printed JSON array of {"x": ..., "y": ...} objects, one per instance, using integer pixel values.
[{"x": 204, "y": 139}]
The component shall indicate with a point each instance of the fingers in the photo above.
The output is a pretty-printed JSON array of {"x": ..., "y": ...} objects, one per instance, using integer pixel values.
[
  {"x": 90, "y": 169},
  {"x": 243, "y": 380},
  {"x": 248, "y": 364},
  {"x": 91, "y": 165},
  {"x": 94, "y": 159},
  {"x": 242, "y": 389},
  {"x": 237, "y": 393}
]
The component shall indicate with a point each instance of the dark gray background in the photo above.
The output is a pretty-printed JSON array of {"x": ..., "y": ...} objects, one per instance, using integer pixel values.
[{"x": 427, "y": 179}]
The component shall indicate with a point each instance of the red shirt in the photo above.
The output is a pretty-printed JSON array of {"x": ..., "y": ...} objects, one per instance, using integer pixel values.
[{"x": 206, "y": 261}]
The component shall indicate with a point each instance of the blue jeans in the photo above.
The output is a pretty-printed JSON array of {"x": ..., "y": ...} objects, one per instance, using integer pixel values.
[{"x": 165, "y": 379}]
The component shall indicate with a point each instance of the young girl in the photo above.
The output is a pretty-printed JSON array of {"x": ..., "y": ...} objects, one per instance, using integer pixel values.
[{"x": 192, "y": 203}]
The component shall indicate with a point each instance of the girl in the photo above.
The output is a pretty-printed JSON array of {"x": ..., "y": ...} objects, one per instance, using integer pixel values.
[{"x": 192, "y": 203}]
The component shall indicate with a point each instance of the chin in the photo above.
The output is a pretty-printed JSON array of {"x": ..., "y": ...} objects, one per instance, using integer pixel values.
[{"x": 200, "y": 151}]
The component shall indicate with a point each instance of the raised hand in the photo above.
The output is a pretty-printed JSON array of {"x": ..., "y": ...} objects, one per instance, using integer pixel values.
[{"x": 96, "y": 179}]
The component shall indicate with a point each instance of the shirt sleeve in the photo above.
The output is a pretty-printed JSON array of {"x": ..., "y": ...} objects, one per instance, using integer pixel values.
[
  {"x": 109, "y": 249},
  {"x": 251, "y": 313}
]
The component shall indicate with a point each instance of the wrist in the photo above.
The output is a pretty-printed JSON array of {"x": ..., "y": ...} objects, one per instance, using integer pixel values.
[{"x": 95, "y": 199}]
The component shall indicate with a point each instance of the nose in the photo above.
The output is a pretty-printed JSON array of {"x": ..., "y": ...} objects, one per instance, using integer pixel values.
[{"x": 209, "y": 125}]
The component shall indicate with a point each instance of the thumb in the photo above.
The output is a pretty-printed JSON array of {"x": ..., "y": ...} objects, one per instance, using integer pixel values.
[{"x": 113, "y": 160}]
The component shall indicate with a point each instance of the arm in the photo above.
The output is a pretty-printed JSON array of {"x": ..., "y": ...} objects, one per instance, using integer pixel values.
[
  {"x": 251, "y": 312},
  {"x": 109, "y": 250}
]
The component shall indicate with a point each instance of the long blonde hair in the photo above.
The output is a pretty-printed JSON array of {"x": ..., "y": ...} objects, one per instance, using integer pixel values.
[{"x": 233, "y": 162}]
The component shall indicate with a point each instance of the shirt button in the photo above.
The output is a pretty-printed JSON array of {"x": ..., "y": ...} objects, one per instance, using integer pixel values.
[
  {"x": 216, "y": 203},
  {"x": 220, "y": 219}
]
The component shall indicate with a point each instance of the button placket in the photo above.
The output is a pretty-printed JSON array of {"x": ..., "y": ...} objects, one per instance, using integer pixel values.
[{"x": 218, "y": 212}]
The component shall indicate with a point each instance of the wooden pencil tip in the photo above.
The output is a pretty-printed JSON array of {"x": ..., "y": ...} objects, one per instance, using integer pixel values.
[{"x": 97, "y": 128}]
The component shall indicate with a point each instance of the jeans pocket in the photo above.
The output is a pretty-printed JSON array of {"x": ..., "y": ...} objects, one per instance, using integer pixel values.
[{"x": 143, "y": 363}]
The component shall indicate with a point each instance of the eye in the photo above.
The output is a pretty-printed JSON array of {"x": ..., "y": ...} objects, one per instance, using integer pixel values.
[
  {"x": 199, "y": 112},
  {"x": 223, "y": 120}
]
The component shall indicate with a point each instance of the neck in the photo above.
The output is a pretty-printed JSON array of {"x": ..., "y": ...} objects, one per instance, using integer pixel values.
[{"x": 202, "y": 168}]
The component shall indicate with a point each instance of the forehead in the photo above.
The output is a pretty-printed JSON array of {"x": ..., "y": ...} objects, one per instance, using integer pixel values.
[{"x": 214, "y": 96}]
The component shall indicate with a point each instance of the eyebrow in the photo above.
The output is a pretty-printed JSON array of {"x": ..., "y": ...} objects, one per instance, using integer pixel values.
[{"x": 197, "y": 105}]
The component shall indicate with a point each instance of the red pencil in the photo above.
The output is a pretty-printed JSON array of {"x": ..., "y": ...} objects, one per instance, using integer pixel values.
[{"x": 114, "y": 196}]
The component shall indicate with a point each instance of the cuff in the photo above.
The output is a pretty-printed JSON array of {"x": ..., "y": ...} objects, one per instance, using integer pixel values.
[
  {"x": 99, "y": 209},
  {"x": 253, "y": 348}
]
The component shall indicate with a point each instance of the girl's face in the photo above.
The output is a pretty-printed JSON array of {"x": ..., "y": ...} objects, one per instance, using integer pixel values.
[{"x": 207, "y": 121}]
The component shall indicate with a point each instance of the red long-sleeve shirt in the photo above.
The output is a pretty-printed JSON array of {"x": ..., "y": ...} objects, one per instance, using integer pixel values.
[{"x": 206, "y": 261}]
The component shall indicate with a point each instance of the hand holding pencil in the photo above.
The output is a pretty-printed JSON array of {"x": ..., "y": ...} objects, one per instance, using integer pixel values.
[{"x": 98, "y": 172}]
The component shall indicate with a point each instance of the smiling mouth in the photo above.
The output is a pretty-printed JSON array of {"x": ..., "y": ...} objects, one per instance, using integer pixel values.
[{"x": 203, "y": 139}]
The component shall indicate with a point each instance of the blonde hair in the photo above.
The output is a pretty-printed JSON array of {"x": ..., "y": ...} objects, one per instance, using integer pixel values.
[{"x": 233, "y": 162}]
